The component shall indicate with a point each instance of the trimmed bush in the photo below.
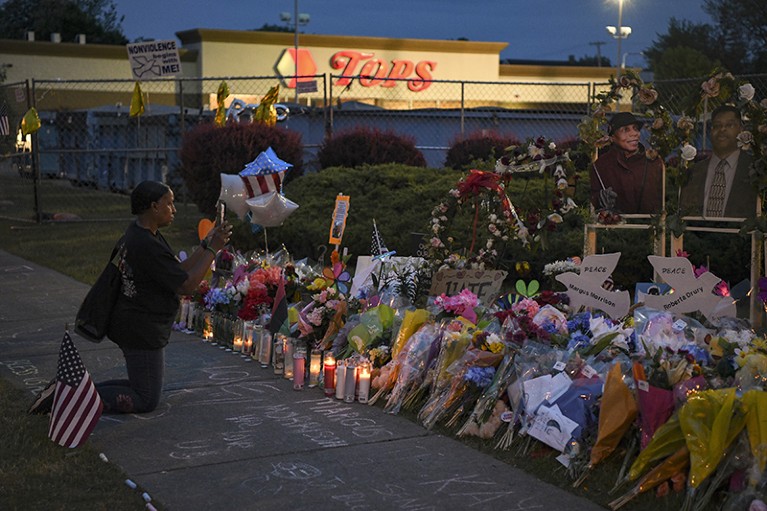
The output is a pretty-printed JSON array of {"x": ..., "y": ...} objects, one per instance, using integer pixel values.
[
  {"x": 209, "y": 150},
  {"x": 478, "y": 146},
  {"x": 398, "y": 197},
  {"x": 369, "y": 146}
]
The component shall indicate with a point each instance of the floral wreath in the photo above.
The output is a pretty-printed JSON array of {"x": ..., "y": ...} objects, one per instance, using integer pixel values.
[
  {"x": 479, "y": 189},
  {"x": 537, "y": 156}
]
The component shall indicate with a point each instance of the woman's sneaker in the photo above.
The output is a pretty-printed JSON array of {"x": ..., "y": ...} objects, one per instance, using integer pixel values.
[{"x": 44, "y": 400}]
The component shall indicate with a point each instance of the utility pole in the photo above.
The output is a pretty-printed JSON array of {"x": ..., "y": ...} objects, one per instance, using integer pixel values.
[{"x": 598, "y": 44}]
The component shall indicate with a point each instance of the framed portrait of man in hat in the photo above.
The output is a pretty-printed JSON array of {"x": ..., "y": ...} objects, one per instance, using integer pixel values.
[{"x": 626, "y": 178}]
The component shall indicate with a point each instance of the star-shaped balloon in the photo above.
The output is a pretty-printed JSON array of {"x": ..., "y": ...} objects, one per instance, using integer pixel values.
[
  {"x": 270, "y": 209},
  {"x": 267, "y": 162}
]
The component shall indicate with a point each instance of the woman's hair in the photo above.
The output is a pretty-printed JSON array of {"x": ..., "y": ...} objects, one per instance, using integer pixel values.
[{"x": 147, "y": 192}]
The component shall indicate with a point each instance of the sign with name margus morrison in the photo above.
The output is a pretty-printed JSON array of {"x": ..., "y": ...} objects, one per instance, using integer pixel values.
[
  {"x": 153, "y": 59},
  {"x": 486, "y": 284},
  {"x": 585, "y": 289}
]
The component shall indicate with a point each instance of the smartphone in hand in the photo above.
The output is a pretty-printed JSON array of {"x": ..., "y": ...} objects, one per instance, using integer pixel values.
[{"x": 220, "y": 212}]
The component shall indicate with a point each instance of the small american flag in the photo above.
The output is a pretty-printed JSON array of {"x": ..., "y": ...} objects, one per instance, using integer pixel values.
[
  {"x": 5, "y": 125},
  {"x": 76, "y": 404},
  {"x": 377, "y": 245}
]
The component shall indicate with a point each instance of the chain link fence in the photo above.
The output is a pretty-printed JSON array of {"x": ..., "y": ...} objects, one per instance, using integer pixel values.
[{"x": 89, "y": 149}]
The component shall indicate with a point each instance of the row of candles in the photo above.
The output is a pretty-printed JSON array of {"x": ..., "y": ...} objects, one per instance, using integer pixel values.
[{"x": 347, "y": 379}]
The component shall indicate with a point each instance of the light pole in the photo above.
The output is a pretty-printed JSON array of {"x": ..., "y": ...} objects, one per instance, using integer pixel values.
[
  {"x": 620, "y": 32},
  {"x": 298, "y": 19},
  {"x": 623, "y": 60}
]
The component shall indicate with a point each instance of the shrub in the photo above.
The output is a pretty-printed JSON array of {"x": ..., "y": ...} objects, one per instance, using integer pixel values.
[
  {"x": 478, "y": 146},
  {"x": 398, "y": 197},
  {"x": 366, "y": 146},
  {"x": 208, "y": 151}
]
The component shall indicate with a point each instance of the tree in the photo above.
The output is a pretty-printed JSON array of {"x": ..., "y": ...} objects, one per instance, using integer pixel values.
[
  {"x": 683, "y": 62},
  {"x": 696, "y": 37},
  {"x": 742, "y": 28},
  {"x": 737, "y": 39},
  {"x": 97, "y": 19}
]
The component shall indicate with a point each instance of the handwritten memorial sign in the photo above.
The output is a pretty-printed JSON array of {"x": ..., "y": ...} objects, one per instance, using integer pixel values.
[
  {"x": 690, "y": 293},
  {"x": 486, "y": 284},
  {"x": 154, "y": 59},
  {"x": 585, "y": 290}
]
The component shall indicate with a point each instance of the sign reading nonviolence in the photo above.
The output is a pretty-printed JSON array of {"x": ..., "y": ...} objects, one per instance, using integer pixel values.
[
  {"x": 486, "y": 284},
  {"x": 154, "y": 59}
]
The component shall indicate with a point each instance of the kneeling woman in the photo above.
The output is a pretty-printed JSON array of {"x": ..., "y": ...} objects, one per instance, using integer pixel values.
[{"x": 152, "y": 280}]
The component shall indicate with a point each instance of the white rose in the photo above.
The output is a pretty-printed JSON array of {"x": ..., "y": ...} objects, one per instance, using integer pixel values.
[
  {"x": 745, "y": 139},
  {"x": 688, "y": 152},
  {"x": 746, "y": 91},
  {"x": 552, "y": 146}
]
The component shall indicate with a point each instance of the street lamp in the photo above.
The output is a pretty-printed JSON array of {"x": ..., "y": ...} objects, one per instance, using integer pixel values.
[
  {"x": 620, "y": 32},
  {"x": 623, "y": 60},
  {"x": 299, "y": 19}
]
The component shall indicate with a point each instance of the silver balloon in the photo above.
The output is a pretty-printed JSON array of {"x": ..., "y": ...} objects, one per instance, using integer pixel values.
[
  {"x": 270, "y": 209},
  {"x": 234, "y": 194}
]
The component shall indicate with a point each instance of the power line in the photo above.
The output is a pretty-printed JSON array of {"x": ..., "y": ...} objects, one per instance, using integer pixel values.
[{"x": 598, "y": 44}]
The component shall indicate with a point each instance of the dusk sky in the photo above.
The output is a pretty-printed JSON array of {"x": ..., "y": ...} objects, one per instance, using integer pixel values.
[{"x": 537, "y": 30}]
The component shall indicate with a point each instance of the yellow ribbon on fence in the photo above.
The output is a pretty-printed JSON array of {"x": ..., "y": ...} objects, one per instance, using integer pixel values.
[
  {"x": 137, "y": 101},
  {"x": 30, "y": 122},
  {"x": 221, "y": 95}
]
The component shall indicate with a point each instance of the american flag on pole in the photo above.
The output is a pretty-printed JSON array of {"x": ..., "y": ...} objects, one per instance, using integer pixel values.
[
  {"x": 5, "y": 125},
  {"x": 76, "y": 404}
]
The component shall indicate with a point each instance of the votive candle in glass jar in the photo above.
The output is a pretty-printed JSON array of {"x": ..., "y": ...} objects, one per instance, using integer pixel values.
[
  {"x": 363, "y": 387},
  {"x": 350, "y": 378},
  {"x": 299, "y": 369},
  {"x": 237, "y": 333},
  {"x": 288, "y": 351},
  {"x": 330, "y": 374},
  {"x": 207, "y": 326},
  {"x": 278, "y": 360},
  {"x": 247, "y": 337},
  {"x": 315, "y": 365},
  {"x": 256, "y": 336},
  {"x": 265, "y": 353},
  {"x": 340, "y": 379}
]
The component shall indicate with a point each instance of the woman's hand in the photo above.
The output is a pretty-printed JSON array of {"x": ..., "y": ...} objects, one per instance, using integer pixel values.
[{"x": 219, "y": 236}]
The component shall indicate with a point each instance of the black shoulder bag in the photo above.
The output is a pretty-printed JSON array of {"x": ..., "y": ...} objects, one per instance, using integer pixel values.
[{"x": 92, "y": 319}]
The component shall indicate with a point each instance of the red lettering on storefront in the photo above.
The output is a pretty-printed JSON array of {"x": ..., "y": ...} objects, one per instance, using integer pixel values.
[
  {"x": 347, "y": 60},
  {"x": 399, "y": 69},
  {"x": 373, "y": 71},
  {"x": 423, "y": 70}
]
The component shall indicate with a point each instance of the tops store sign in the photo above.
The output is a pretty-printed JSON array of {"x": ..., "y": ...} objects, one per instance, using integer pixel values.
[
  {"x": 154, "y": 59},
  {"x": 372, "y": 71}
]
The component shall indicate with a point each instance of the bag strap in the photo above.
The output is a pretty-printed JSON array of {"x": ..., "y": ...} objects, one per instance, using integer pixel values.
[{"x": 117, "y": 252}]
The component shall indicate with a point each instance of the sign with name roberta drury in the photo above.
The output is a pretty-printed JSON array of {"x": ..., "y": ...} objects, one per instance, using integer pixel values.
[{"x": 486, "y": 284}]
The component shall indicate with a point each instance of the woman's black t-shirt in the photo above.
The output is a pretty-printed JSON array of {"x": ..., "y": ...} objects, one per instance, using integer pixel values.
[{"x": 148, "y": 303}]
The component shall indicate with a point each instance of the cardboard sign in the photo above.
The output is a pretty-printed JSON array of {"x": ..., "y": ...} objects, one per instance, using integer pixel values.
[
  {"x": 486, "y": 284},
  {"x": 367, "y": 266},
  {"x": 689, "y": 293},
  {"x": 338, "y": 225},
  {"x": 153, "y": 59},
  {"x": 585, "y": 290}
]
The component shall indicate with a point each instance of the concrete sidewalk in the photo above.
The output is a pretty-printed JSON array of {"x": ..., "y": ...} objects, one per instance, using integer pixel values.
[{"x": 231, "y": 435}]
